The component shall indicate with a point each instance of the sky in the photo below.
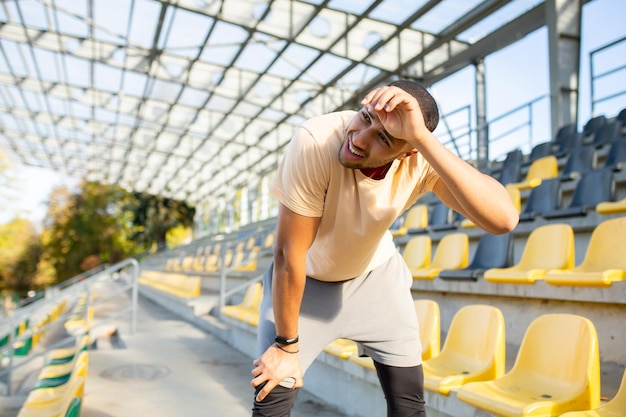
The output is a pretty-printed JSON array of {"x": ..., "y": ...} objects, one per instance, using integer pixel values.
[{"x": 516, "y": 75}]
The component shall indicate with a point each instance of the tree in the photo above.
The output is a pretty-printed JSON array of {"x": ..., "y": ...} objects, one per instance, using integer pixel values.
[
  {"x": 20, "y": 250},
  {"x": 87, "y": 228},
  {"x": 154, "y": 216}
]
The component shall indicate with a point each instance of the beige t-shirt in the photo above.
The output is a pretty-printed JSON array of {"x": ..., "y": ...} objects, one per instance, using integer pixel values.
[{"x": 356, "y": 211}]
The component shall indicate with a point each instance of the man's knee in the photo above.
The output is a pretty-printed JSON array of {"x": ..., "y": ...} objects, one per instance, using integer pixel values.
[{"x": 277, "y": 403}]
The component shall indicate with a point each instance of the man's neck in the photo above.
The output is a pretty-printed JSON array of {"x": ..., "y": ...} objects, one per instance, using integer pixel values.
[{"x": 376, "y": 173}]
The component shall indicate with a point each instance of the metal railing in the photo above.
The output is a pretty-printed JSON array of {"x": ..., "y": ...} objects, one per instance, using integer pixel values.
[
  {"x": 620, "y": 67},
  {"x": 124, "y": 275}
]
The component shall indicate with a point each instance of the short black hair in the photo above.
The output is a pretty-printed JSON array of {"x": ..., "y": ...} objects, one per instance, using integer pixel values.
[{"x": 427, "y": 103}]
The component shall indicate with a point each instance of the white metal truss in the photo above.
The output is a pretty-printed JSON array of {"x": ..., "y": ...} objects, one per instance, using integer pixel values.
[{"x": 191, "y": 99}]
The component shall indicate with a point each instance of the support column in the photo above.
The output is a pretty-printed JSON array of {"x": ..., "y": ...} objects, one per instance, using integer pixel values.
[
  {"x": 482, "y": 129},
  {"x": 563, "y": 18}
]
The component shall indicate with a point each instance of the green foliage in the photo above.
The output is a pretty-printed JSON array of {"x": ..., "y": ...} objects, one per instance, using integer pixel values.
[
  {"x": 87, "y": 228},
  {"x": 19, "y": 253},
  {"x": 154, "y": 216},
  {"x": 96, "y": 224}
]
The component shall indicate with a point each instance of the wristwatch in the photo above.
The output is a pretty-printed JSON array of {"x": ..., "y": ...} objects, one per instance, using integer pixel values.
[{"x": 284, "y": 341}]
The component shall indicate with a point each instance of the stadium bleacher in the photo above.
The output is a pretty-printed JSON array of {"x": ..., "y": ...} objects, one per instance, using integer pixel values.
[{"x": 532, "y": 321}]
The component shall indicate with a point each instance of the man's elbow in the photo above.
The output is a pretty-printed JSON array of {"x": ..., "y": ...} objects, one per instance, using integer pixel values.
[{"x": 506, "y": 223}]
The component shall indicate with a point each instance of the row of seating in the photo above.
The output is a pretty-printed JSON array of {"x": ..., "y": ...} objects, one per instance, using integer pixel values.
[
  {"x": 472, "y": 362},
  {"x": 59, "y": 388},
  {"x": 548, "y": 254},
  {"x": 240, "y": 256},
  {"x": 176, "y": 284},
  {"x": 598, "y": 132},
  {"x": 594, "y": 190},
  {"x": 32, "y": 335}
]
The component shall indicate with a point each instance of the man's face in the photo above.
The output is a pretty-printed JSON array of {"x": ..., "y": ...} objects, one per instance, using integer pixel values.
[{"x": 368, "y": 145}]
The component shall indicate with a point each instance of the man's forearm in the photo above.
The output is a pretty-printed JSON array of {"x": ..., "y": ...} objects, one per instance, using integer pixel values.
[
  {"x": 484, "y": 200},
  {"x": 288, "y": 288}
]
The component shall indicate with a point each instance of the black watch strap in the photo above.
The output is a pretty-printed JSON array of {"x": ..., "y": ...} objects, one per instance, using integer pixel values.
[{"x": 284, "y": 341}]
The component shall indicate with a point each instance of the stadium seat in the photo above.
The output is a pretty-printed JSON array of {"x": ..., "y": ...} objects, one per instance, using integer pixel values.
[
  {"x": 455, "y": 221},
  {"x": 592, "y": 126},
  {"x": 592, "y": 188},
  {"x": 604, "y": 260},
  {"x": 606, "y": 134},
  {"x": 451, "y": 253},
  {"x": 542, "y": 168},
  {"x": 557, "y": 369},
  {"x": 417, "y": 252},
  {"x": 612, "y": 207},
  {"x": 439, "y": 215},
  {"x": 429, "y": 319},
  {"x": 616, "y": 407},
  {"x": 550, "y": 246},
  {"x": 342, "y": 348},
  {"x": 513, "y": 159},
  {"x": 471, "y": 352},
  {"x": 543, "y": 198},
  {"x": 492, "y": 251},
  {"x": 249, "y": 306},
  {"x": 616, "y": 157},
  {"x": 566, "y": 139},
  {"x": 416, "y": 218},
  {"x": 510, "y": 173},
  {"x": 580, "y": 160},
  {"x": 539, "y": 151}
]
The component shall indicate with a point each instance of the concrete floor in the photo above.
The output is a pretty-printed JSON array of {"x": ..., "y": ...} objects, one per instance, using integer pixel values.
[{"x": 171, "y": 368}]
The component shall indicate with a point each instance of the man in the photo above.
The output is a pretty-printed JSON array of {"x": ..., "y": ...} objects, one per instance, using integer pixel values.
[{"x": 343, "y": 181}]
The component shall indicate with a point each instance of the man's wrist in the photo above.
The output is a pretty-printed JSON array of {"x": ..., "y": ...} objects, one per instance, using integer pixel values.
[{"x": 286, "y": 341}]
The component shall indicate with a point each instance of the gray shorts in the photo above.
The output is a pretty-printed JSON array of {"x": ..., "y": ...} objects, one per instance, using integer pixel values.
[{"x": 375, "y": 310}]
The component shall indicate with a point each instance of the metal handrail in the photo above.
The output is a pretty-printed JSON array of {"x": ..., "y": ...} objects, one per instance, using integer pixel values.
[
  {"x": 596, "y": 77},
  {"x": 57, "y": 294}
]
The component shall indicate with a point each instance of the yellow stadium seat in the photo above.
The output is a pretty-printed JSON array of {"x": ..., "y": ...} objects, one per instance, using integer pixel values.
[
  {"x": 248, "y": 309},
  {"x": 548, "y": 247},
  {"x": 611, "y": 207},
  {"x": 416, "y": 217},
  {"x": 539, "y": 170},
  {"x": 604, "y": 260},
  {"x": 474, "y": 350},
  {"x": 557, "y": 370},
  {"x": 417, "y": 252},
  {"x": 342, "y": 348},
  {"x": 616, "y": 407},
  {"x": 429, "y": 319},
  {"x": 451, "y": 253}
]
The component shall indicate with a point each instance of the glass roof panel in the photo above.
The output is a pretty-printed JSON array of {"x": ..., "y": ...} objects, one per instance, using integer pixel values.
[
  {"x": 160, "y": 95},
  {"x": 444, "y": 14}
]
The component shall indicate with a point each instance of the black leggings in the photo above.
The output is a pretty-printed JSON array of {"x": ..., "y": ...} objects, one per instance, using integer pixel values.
[{"x": 403, "y": 389}]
